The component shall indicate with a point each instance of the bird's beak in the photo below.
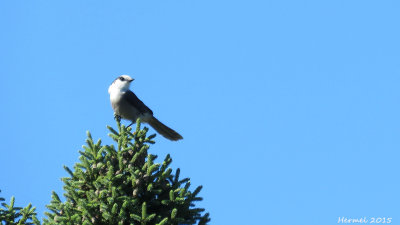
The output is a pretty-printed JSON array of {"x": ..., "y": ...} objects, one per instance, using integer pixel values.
[{"x": 131, "y": 80}]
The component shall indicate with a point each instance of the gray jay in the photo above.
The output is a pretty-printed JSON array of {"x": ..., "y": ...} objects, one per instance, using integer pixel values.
[{"x": 128, "y": 106}]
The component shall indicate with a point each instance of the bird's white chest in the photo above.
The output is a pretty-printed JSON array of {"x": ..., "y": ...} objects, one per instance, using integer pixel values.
[
  {"x": 115, "y": 99},
  {"x": 115, "y": 96}
]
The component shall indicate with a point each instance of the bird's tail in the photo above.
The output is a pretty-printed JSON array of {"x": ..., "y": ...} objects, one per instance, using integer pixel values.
[{"x": 163, "y": 129}]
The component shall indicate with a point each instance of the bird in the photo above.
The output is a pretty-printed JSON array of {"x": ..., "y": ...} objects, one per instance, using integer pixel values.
[{"x": 128, "y": 106}]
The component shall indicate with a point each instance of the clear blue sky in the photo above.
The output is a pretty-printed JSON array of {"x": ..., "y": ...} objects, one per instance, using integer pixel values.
[{"x": 289, "y": 109}]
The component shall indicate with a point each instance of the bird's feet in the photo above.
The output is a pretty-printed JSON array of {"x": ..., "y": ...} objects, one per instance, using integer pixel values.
[{"x": 117, "y": 117}]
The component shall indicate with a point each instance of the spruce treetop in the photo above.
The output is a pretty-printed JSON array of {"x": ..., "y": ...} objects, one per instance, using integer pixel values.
[{"x": 122, "y": 184}]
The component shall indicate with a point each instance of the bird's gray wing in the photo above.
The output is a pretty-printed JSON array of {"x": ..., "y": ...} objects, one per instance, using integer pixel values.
[{"x": 135, "y": 102}]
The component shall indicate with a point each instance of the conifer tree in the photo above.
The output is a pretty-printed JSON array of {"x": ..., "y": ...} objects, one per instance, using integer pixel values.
[
  {"x": 11, "y": 215},
  {"x": 123, "y": 185}
]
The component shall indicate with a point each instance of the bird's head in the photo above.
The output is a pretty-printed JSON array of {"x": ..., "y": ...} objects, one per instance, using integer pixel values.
[{"x": 121, "y": 83}]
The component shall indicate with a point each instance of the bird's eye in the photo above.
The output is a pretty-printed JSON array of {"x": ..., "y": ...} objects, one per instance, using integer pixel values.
[{"x": 121, "y": 78}]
